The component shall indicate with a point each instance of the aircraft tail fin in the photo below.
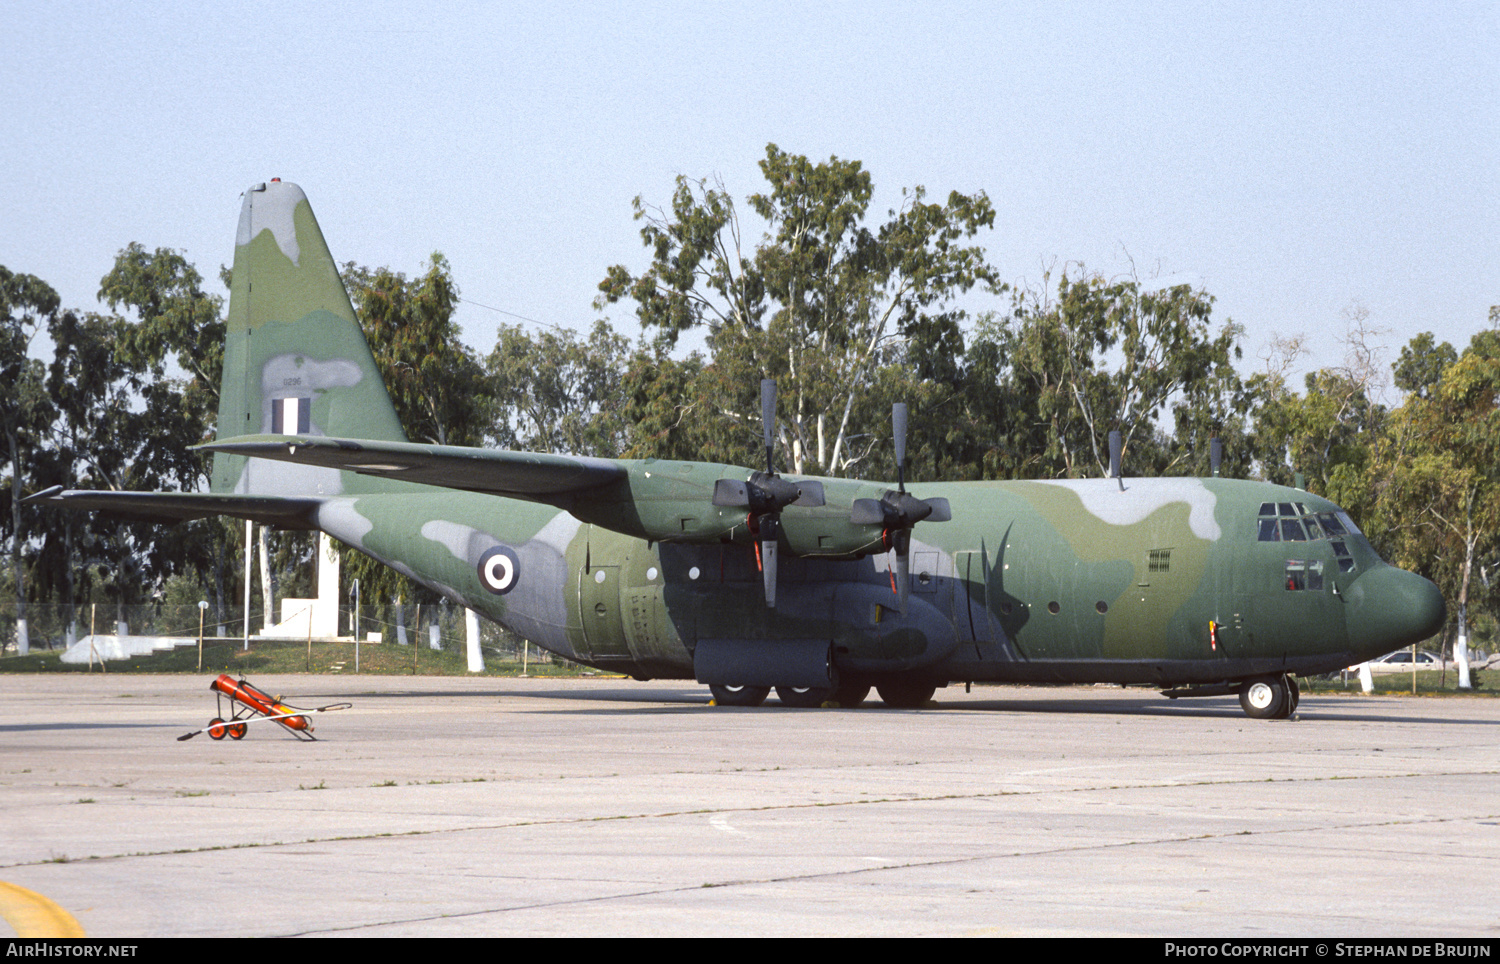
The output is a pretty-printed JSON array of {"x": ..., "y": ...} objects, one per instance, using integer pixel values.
[{"x": 295, "y": 359}]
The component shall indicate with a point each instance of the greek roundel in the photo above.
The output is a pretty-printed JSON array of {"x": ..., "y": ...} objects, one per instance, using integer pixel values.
[{"x": 499, "y": 568}]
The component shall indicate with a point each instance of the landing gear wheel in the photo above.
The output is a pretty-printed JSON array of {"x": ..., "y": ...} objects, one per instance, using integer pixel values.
[
  {"x": 739, "y": 695},
  {"x": 803, "y": 697},
  {"x": 1293, "y": 696},
  {"x": 905, "y": 694},
  {"x": 216, "y": 729},
  {"x": 237, "y": 731},
  {"x": 850, "y": 695},
  {"x": 1264, "y": 698}
]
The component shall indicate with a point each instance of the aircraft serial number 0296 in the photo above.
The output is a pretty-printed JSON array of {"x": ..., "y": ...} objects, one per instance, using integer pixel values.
[{"x": 749, "y": 580}]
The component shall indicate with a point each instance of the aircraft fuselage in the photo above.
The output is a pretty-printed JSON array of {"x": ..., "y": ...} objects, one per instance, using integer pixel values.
[{"x": 1164, "y": 581}]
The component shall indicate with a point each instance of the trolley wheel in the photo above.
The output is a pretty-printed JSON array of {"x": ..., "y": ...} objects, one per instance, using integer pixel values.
[
  {"x": 216, "y": 728},
  {"x": 237, "y": 731}
]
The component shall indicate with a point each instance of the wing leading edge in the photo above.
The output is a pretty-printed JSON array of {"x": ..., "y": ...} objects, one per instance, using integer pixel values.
[
  {"x": 167, "y": 508},
  {"x": 550, "y": 479}
]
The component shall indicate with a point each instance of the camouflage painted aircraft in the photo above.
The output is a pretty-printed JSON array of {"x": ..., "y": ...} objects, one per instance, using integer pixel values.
[{"x": 661, "y": 569}]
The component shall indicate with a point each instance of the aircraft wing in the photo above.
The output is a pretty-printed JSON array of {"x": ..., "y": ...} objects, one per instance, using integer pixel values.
[
  {"x": 522, "y": 475},
  {"x": 171, "y": 507}
]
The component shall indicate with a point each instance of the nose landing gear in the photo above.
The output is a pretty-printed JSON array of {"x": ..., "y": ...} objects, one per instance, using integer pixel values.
[{"x": 1270, "y": 697}]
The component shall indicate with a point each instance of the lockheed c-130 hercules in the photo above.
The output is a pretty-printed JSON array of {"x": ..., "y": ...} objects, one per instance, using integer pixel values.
[{"x": 662, "y": 569}]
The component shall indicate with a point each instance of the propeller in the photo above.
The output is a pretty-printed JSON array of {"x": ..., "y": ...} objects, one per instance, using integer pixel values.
[
  {"x": 765, "y": 494},
  {"x": 897, "y": 511}
]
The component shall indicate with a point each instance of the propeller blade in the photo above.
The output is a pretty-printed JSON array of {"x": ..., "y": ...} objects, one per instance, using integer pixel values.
[
  {"x": 898, "y": 429},
  {"x": 768, "y": 418},
  {"x": 867, "y": 512},
  {"x": 731, "y": 493},
  {"x": 768, "y": 571},
  {"x": 901, "y": 542},
  {"x": 810, "y": 494}
]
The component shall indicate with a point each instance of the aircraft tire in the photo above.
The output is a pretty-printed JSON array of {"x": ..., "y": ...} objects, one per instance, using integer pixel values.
[
  {"x": 739, "y": 695},
  {"x": 1264, "y": 697},
  {"x": 904, "y": 694},
  {"x": 803, "y": 697},
  {"x": 850, "y": 695}
]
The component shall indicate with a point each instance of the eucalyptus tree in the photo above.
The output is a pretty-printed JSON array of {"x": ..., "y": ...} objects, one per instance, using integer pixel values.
[
  {"x": 821, "y": 302},
  {"x": 27, "y": 305},
  {"x": 1108, "y": 355}
]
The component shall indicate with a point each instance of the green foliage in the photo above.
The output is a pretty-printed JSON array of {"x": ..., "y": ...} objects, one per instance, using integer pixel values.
[
  {"x": 434, "y": 381},
  {"x": 822, "y": 303},
  {"x": 175, "y": 318},
  {"x": 1107, "y": 356},
  {"x": 556, "y": 392},
  {"x": 1437, "y": 473}
]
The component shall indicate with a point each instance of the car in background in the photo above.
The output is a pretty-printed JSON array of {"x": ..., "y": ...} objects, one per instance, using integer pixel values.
[{"x": 1401, "y": 659}]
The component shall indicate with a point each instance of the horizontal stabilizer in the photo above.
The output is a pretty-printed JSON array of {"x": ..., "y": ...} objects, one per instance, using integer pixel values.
[
  {"x": 521, "y": 475},
  {"x": 170, "y": 507}
]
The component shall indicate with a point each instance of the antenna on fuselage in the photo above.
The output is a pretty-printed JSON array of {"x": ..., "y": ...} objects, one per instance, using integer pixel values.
[{"x": 1115, "y": 468}]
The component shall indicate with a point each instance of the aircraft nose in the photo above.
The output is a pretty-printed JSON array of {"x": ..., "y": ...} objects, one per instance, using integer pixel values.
[{"x": 1389, "y": 608}]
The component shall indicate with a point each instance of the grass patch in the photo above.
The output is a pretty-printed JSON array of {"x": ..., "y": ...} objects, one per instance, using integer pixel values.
[
  {"x": 1429, "y": 683},
  {"x": 291, "y": 656}
]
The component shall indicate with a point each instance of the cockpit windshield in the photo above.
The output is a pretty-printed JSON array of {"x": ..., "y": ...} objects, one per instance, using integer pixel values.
[{"x": 1293, "y": 522}]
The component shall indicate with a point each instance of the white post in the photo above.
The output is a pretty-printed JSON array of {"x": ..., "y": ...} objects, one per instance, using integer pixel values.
[
  {"x": 471, "y": 627},
  {"x": 249, "y": 546},
  {"x": 1366, "y": 681},
  {"x": 326, "y": 612},
  {"x": 400, "y": 624},
  {"x": 265, "y": 581},
  {"x": 23, "y": 637}
]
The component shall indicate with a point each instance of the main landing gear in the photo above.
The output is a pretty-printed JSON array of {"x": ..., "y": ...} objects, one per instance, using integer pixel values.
[
  {"x": 739, "y": 695},
  {"x": 1270, "y": 697},
  {"x": 898, "y": 693}
]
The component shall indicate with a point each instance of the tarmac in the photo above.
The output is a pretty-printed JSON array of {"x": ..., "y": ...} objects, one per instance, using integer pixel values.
[{"x": 440, "y": 807}]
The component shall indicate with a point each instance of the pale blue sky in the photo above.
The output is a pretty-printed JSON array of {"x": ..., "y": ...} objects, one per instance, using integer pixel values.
[{"x": 1291, "y": 158}]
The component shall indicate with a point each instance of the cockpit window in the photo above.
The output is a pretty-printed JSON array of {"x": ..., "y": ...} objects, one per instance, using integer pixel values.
[{"x": 1292, "y": 522}]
